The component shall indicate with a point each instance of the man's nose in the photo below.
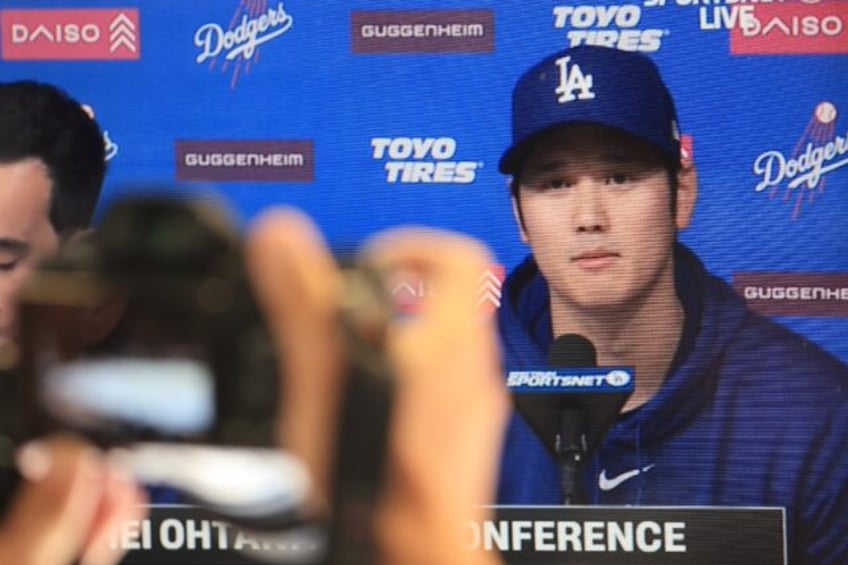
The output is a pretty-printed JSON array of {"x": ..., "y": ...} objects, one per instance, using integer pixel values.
[{"x": 589, "y": 209}]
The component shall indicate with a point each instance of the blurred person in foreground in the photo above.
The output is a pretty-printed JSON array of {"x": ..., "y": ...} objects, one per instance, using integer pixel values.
[
  {"x": 51, "y": 173},
  {"x": 52, "y": 165},
  {"x": 445, "y": 432}
]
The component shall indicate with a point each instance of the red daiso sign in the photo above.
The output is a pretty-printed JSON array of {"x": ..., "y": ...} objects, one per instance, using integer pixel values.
[
  {"x": 70, "y": 35},
  {"x": 807, "y": 27},
  {"x": 409, "y": 291}
]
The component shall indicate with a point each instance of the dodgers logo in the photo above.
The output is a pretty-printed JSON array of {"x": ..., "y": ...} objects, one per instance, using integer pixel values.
[
  {"x": 802, "y": 173},
  {"x": 239, "y": 45},
  {"x": 571, "y": 80},
  {"x": 110, "y": 146}
]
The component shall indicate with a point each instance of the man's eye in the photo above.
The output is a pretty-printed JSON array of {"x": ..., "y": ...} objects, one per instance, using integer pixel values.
[
  {"x": 550, "y": 183},
  {"x": 556, "y": 184},
  {"x": 9, "y": 265},
  {"x": 618, "y": 179},
  {"x": 543, "y": 183}
]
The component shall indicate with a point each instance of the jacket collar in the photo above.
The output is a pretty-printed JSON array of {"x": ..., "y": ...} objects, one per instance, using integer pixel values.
[{"x": 713, "y": 314}]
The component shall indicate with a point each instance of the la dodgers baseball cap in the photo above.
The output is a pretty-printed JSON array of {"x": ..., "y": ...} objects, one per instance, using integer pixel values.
[{"x": 597, "y": 85}]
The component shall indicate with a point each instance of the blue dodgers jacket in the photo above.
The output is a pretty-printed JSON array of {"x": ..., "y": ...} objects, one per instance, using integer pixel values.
[{"x": 750, "y": 414}]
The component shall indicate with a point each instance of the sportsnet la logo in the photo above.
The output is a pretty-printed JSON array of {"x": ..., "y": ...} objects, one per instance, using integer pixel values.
[
  {"x": 608, "y": 26},
  {"x": 573, "y": 378},
  {"x": 793, "y": 28},
  {"x": 422, "y": 160},
  {"x": 253, "y": 24},
  {"x": 802, "y": 174},
  {"x": 70, "y": 35}
]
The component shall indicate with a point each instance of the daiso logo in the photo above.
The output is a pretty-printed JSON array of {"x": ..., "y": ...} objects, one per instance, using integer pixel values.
[
  {"x": 409, "y": 291},
  {"x": 789, "y": 29},
  {"x": 68, "y": 35}
]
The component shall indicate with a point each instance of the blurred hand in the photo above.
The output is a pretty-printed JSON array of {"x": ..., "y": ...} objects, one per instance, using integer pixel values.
[
  {"x": 451, "y": 405},
  {"x": 444, "y": 444},
  {"x": 69, "y": 504}
]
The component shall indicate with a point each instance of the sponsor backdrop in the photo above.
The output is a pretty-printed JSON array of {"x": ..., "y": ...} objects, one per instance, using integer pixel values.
[
  {"x": 368, "y": 114},
  {"x": 372, "y": 113}
]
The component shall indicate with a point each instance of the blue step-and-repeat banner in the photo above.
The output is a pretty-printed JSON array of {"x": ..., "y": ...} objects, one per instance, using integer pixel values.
[{"x": 372, "y": 113}]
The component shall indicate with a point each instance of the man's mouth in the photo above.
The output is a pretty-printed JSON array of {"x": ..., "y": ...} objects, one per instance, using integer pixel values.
[{"x": 595, "y": 259}]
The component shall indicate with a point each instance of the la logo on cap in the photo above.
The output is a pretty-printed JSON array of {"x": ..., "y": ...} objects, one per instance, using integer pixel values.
[{"x": 571, "y": 80}]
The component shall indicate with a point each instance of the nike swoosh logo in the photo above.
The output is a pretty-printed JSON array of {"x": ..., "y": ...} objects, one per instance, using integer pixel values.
[{"x": 608, "y": 484}]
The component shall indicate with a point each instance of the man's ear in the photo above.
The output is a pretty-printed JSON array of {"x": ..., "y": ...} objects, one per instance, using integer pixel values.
[
  {"x": 519, "y": 220},
  {"x": 687, "y": 194}
]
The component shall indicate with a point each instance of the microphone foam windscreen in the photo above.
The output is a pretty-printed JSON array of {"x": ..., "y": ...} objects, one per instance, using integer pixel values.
[{"x": 572, "y": 350}]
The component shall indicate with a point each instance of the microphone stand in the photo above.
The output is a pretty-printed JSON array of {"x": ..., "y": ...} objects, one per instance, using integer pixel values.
[{"x": 571, "y": 452}]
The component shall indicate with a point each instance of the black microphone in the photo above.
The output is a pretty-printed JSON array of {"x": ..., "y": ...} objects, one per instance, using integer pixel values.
[
  {"x": 571, "y": 405},
  {"x": 571, "y": 445}
]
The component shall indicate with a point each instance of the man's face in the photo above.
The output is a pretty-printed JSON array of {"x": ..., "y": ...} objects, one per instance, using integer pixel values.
[
  {"x": 26, "y": 234},
  {"x": 596, "y": 208}
]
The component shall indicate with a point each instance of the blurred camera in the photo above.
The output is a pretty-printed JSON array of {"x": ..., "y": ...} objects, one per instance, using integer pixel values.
[
  {"x": 144, "y": 336},
  {"x": 147, "y": 330}
]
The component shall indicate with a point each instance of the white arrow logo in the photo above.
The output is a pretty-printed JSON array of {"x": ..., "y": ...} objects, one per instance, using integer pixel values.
[
  {"x": 406, "y": 287},
  {"x": 122, "y": 33},
  {"x": 490, "y": 289}
]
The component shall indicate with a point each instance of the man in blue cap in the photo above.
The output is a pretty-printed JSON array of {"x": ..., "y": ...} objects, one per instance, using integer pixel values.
[{"x": 730, "y": 408}]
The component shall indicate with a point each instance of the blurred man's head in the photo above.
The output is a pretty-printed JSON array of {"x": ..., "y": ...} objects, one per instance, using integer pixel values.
[{"x": 52, "y": 164}]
